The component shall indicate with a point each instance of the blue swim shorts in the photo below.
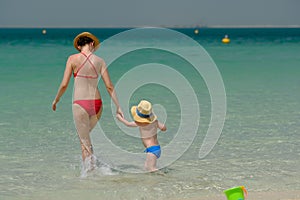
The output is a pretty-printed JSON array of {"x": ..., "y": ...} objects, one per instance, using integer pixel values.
[{"x": 155, "y": 150}]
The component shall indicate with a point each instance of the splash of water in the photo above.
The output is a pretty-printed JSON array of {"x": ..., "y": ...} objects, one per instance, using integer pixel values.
[{"x": 94, "y": 166}]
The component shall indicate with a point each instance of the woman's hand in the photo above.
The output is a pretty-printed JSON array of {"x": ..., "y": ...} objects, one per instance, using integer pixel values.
[
  {"x": 118, "y": 116},
  {"x": 54, "y": 105},
  {"x": 120, "y": 112}
]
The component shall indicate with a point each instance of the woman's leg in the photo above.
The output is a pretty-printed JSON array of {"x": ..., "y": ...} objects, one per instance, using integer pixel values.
[
  {"x": 82, "y": 123},
  {"x": 94, "y": 119}
]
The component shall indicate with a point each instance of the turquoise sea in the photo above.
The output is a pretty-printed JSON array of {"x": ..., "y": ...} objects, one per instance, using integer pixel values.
[{"x": 40, "y": 155}]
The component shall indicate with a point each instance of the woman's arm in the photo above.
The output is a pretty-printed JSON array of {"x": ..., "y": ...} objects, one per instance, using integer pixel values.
[
  {"x": 110, "y": 87},
  {"x": 64, "y": 83}
]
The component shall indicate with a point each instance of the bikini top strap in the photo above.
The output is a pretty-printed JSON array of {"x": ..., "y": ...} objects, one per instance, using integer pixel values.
[{"x": 81, "y": 66}]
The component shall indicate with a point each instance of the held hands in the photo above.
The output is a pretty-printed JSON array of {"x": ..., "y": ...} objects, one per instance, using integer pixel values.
[
  {"x": 120, "y": 112},
  {"x": 119, "y": 117}
]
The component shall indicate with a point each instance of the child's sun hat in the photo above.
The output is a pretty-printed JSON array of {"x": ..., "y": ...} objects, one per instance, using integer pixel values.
[{"x": 143, "y": 112}]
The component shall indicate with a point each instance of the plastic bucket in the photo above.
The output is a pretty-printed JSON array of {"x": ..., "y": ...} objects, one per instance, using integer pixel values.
[{"x": 236, "y": 193}]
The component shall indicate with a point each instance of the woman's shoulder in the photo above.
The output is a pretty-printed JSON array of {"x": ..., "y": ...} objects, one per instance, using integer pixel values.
[
  {"x": 74, "y": 56},
  {"x": 98, "y": 59}
]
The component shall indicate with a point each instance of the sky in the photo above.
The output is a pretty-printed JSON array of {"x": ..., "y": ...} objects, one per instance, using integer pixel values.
[{"x": 155, "y": 13}]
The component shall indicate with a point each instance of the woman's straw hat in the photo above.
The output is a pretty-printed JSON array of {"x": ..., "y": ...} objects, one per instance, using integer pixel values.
[
  {"x": 86, "y": 34},
  {"x": 143, "y": 112}
]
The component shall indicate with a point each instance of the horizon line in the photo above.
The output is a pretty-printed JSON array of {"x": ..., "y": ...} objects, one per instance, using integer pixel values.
[{"x": 162, "y": 26}]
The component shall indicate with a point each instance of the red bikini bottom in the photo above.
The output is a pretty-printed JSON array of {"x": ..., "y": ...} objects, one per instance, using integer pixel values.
[{"x": 92, "y": 107}]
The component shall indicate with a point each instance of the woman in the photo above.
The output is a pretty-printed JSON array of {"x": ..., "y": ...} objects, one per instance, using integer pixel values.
[{"x": 87, "y": 105}]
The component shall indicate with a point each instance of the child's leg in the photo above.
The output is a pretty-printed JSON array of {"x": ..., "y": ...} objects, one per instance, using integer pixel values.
[{"x": 150, "y": 163}]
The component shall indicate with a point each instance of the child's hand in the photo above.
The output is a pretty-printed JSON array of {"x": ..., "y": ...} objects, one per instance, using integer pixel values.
[{"x": 162, "y": 126}]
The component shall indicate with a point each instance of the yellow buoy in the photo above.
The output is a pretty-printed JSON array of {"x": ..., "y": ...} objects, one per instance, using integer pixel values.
[
  {"x": 226, "y": 40},
  {"x": 196, "y": 31},
  {"x": 44, "y": 31}
]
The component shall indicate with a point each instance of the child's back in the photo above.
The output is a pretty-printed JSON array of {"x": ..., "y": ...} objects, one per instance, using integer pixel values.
[{"x": 149, "y": 133}]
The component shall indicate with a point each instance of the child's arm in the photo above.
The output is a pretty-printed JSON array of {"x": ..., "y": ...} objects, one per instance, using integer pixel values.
[
  {"x": 127, "y": 123},
  {"x": 162, "y": 127}
]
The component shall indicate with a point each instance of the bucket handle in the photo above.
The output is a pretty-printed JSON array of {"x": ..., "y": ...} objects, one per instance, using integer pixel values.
[{"x": 245, "y": 191}]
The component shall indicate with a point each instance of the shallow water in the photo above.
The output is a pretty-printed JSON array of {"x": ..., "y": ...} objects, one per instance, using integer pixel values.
[{"x": 40, "y": 152}]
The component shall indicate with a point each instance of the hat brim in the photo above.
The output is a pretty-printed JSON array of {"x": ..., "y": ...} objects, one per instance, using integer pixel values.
[
  {"x": 86, "y": 34},
  {"x": 137, "y": 118}
]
